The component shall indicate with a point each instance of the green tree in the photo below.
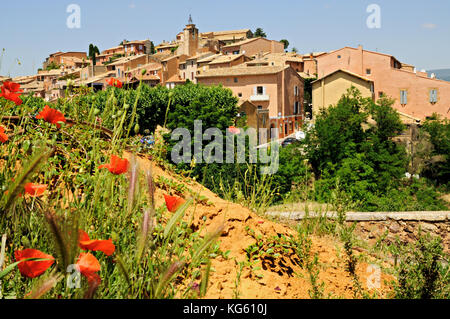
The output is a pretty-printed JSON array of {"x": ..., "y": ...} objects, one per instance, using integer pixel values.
[
  {"x": 345, "y": 148},
  {"x": 259, "y": 33},
  {"x": 294, "y": 49},
  {"x": 438, "y": 168},
  {"x": 152, "y": 48},
  {"x": 93, "y": 51},
  {"x": 53, "y": 66},
  {"x": 286, "y": 43}
]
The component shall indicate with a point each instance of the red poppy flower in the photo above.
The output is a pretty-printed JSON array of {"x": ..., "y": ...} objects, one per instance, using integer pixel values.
[
  {"x": 116, "y": 165},
  {"x": 52, "y": 116},
  {"x": 173, "y": 202},
  {"x": 3, "y": 136},
  {"x": 114, "y": 82},
  {"x": 233, "y": 130},
  {"x": 88, "y": 266},
  {"x": 31, "y": 268},
  {"x": 11, "y": 91},
  {"x": 35, "y": 190},
  {"x": 86, "y": 243}
]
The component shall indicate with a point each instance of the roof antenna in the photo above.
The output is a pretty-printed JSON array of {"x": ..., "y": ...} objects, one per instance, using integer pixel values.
[{"x": 190, "y": 19}]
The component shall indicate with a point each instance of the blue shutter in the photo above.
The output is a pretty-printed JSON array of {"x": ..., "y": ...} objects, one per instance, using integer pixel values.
[
  {"x": 406, "y": 97},
  {"x": 431, "y": 96}
]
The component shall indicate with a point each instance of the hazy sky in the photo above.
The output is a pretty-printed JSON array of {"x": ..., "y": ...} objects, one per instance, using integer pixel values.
[{"x": 414, "y": 31}]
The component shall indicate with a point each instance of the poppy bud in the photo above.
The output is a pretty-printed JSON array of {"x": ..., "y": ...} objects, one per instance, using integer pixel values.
[
  {"x": 171, "y": 94},
  {"x": 114, "y": 100},
  {"x": 126, "y": 106},
  {"x": 136, "y": 128},
  {"x": 113, "y": 116},
  {"x": 119, "y": 113},
  {"x": 96, "y": 111},
  {"x": 144, "y": 71},
  {"x": 114, "y": 236},
  {"x": 25, "y": 241}
]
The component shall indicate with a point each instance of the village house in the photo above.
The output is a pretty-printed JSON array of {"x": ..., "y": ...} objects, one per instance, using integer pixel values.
[
  {"x": 415, "y": 94},
  {"x": 228, "y": 61},
  {"x": 310, "y": 64},
  {"x": 109, "y": 54},
  {"x": 125, "y": 64},
  {"x": 151, "y": 77},
  {"x": 203, "y": 63},
  {"x": 170, "y": 70},
  {"x": 330, "y": 88},
  {"x": 168, "y": 47},
  {"x": 188, "y": 68},
  {"x": 278, "y": 59},
  {"x": 251, "y": 47},
  {"x": 59, "y": 58},
  {"x": 137, "y": 47},
  {"x": 272, "y": 94},
  {"x": 227, "y": 37}
]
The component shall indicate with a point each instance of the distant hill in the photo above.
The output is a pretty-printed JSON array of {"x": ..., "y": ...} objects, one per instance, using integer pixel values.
[{"x": 443, "y": 74}]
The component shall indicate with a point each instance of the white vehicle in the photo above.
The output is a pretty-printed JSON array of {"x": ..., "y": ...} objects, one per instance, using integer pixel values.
[{"x": 300, "y": 135}]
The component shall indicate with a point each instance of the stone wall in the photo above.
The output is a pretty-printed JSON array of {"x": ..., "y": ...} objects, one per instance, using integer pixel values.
[{"x": 388, "y": 226}]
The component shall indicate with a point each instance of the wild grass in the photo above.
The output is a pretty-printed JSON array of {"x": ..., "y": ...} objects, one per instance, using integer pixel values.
[{"x": 156, "y": 256}]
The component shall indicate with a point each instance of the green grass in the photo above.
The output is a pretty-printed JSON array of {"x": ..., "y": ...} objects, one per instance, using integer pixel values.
[{"x": 155, "y": 256}]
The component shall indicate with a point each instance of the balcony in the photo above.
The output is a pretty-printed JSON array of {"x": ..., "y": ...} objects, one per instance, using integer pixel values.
[{"x": 259, "y": 97}]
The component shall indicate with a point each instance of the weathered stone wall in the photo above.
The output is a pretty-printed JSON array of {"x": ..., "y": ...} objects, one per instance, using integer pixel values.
[
  {"x": 406, "y": 231},
  {"x": 388, "y": 226}
]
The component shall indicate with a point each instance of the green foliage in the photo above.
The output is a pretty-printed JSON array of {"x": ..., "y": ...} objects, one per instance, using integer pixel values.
[
  {"x": 152, "y": 251},
  {"x": 52, "y": 66},
  {"x": 351, "y": 145},
  {"x": 292, "y": 172},
  {"x": 286, "y": 43},
  {"x": 259, "y": 33},
  {"x": 439, "y": 168},
  {"x": 422, "y": 273}
]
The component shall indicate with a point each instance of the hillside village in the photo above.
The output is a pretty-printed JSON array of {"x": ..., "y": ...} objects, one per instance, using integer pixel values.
[
  {"x": 268, "y": 80},
  {"x": 357, "y": 209}
]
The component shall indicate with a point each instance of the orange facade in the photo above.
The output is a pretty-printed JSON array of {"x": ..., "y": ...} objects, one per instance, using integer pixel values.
[{"x": 414, "y": 93}]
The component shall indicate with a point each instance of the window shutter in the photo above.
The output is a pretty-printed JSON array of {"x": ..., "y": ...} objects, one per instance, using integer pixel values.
[
  {"x": 435, "y": 96},
  {"x": 431, "y": 96},
  {"x": 264, "y": 90},
  {"x": 254, "y": 90}
]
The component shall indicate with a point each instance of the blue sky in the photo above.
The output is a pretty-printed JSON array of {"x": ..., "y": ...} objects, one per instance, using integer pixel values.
[{"x": 415, "y": 31}]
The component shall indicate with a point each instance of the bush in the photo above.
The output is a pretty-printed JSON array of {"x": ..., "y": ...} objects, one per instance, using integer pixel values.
[{"x": 421, "y": 272}]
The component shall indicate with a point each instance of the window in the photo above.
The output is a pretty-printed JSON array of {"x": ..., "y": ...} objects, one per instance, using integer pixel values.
[
  {"x": 403, "y": 97},
  {"x": 259, "y": 107},
  {"x": 338, "y": 56},
  {"x": 433, "y": 96},
  {"x": 296, "y": 107},
  {"x": 235, "y": 80},
  {"x": 236, "y": 52},
  {"x": 192, "y": 76},
  {"x": 239, "y": 94},
  {"x": 380, "y": 94},
  {"x": 368, "y": 71},
  {"x": 259, "y": 90},
  {"x": 295, "y": 90}
]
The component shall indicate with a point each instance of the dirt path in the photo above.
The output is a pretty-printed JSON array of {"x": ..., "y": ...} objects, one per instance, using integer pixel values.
[{"x": 280, "y": 277}]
